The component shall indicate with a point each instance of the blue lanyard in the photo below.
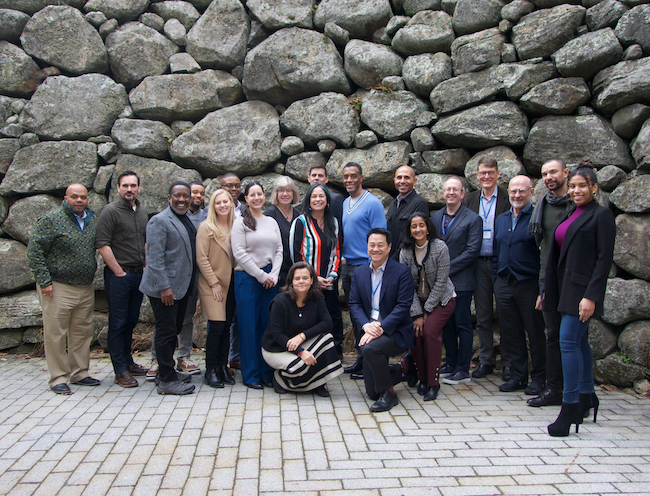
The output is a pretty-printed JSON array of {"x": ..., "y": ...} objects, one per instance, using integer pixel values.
[
  {"x": 445, "y": 229},
  {"x": 377, "y": 286},
  {"x": 487, "y": 214}
]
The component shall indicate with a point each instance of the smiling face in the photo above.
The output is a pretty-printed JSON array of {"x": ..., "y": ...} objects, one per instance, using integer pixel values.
[
  {"x": 453, "y": 193},
  {"x": 198, "y": 197},
  {"x": 487, "y": 176},
  {"x": 581, "y": 190},
  {"x": 255, "y": 197},
  {"x": 222, "y": 205},
  {"x": 77, "y": 197},
  {"x": 180, "y": 199},
  {"x": 352, "y": 180},
  {"x": 378, "y": 249},
  {"x": 318, "y": 200},
  {"x": 554, "y": 175},
  {"x": 405, "y": 180},
  {"x": 301, "y": 282},
  {"x": 285, "y": 195},
  {"x": 520, "y": 191},
  {"x": 419, "y": 230},
  {"x": 129, "y": 188},
  {"x": 317, "y": 175},
  {"x": 232, "y": 185}
]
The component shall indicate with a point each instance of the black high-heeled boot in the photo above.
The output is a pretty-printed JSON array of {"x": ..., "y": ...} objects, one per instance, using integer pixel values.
[
  {"x": 212, "y": 379},
  {"x": 587, "y": 402},
  {"x": 571, "y": 413},
  {"x": 224, "y": 376}
]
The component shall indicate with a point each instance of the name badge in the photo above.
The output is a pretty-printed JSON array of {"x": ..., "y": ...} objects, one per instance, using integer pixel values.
[
  {"x": 487, "y": 234},
  {"x": 374, "y": 314}
]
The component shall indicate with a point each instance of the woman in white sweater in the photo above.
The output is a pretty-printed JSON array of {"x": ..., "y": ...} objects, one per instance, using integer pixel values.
[{"x": 257, "y": 248}]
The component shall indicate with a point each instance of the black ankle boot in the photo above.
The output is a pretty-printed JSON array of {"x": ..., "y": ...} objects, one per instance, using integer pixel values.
[
  {"x": 432, "y": 393},
  {"x": 422, "y": 388},
  {"x": 212, "y": 379},
  {"x": 224, "y": 376},
  {"x": 570, "y": 413},
  {"x": 587, "y": 402}
]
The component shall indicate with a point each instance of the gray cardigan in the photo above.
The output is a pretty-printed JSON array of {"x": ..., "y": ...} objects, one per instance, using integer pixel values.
[{"x": 436, "y": 267}]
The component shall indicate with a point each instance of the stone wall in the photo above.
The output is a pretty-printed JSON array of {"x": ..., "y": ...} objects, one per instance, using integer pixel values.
[{"x": 185, "y": 90}]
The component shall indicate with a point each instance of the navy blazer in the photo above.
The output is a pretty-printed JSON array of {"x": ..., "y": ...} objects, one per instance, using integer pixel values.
[
  {"x": 463, "y": 238},
  {"x": 581, "y": 268},
  {"x": 395, "y": 300},
  {"x": 473, "y": 201}
]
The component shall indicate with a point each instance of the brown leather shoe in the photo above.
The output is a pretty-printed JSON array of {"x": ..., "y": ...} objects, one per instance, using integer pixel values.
[
  {"x": 137, "y": 370},
  {"x": 235, "y": 364},
  {"x": 126, "y": 380}
]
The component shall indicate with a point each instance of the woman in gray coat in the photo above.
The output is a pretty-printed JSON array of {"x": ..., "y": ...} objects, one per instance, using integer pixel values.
[{"x": 433, "y": 300}]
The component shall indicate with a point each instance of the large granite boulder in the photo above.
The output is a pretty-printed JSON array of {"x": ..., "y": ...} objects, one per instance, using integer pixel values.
[
  {"x": 490, "y": 124},
  {"x": 633, "y": 28},
  {"x": 609, "y": 177},
  {"x": 478, "y": 51},
  {"x": 463, "y": 91},
  {"x": 173, "y": 97},
  {"x": 392, "y": 115},
  {"x": 604, "y": 14},
  {"x": 543, "y": 32},
  {"x": 622, "y": 84},
  {"x": 83, "y": 50},
  {"x": 298, "y": 166},
  {"x": 573, "y": 138},
  {"x": 285, "y": 14},
  {"x": 359, "y": 18},
  {"x": 326, "y": 116},
  {"x": 378, "y": 162},
  {"x": 136, "y": 51},
  {"x": 614, "y": 370},
  {"x": 474, "y": 15},
  {"x": 142, "y": 137},
  {"x": 424, "y": 72},
  {"x": 155, "y": 176},
  {"x": 627, "y": 121},
  {"x": 19, "y": 74},
  {"x": 602, "y": 339},
  {"x": 558, "y": 96},
  {"x": 515, "y": 80},
  {"x": 244, "y": 139},
  {"x": 641, "y": 147},
  {"x": 12, "y": 23},
  {"x": 634, "y": 341},
  {"x": 507, "y": 160},
  {"x": 632, "y": 248},
  {"x": 122, "y": 10},
  {"x": 20, "y": 310},
  {"x": 586, "y": 55},
  {"x": 626, "y": 301},
  {"x": 184, "y": 12},
  {"x": 368, "y": 63},
  {"x": 218, "y": 39},
  {"x": 633, "y": 196},
  {"x": 8, "y": 149},
  {"x": 426, "y": 32},
  {"x": 79, "y": 158},
  {"x": 515, "y": 10},
  {"x": 24, "y": 214},
  {"x": 292, "y": 64},
  {"x": 14, "y": 266},
  {"x": 449, "y": 161},
  {"x": 412, "y": 7},
  {"x": 74, "y": 107}
]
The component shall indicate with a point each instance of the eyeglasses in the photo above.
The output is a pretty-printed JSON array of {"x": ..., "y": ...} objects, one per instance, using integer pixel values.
[
  {"x": 486, "y": 173},
  {"x": 519, "y": 191},
  {"x": 231, "y": 186},
  {"x": 285, "y": 192}
]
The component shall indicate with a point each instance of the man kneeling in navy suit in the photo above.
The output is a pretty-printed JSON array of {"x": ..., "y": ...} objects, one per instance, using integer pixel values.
[{"x": 380, "y": 299}]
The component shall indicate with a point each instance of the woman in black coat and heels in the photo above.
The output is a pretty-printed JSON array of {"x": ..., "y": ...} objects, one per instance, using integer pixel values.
[{"x": 576, "y": 277}]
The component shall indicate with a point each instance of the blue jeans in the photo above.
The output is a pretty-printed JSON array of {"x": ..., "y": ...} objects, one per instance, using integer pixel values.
[
  {"x": 252, "y": 319},
  {"x": 458, "y": 335},
  {"x": 124, "y": 300},
  {"x": 577, "y": 358}
]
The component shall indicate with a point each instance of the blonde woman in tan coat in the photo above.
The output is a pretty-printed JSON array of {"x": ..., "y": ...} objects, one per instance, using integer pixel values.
[{"x": 216, "y": 289}]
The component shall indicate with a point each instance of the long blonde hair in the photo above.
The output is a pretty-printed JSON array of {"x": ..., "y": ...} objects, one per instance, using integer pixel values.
[{"x": 215, "y": 229}]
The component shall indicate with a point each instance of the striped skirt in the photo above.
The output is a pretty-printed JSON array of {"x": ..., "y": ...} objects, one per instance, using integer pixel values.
[{"x": 295, "y": 375}]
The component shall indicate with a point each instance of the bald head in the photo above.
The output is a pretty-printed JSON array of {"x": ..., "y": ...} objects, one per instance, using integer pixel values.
[
  {"x": 76, "y": 195},
  {"x": 405, "y": 180},
  {"x": 520, "y": 190}
]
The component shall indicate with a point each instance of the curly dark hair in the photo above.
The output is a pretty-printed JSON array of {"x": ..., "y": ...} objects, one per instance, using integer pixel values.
[
  {"x": 314, "y": 290},
  {"x": 407, "y": 239}
]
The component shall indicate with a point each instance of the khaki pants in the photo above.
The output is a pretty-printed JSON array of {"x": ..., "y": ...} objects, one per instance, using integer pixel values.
[{"x": 68, "y": 314}]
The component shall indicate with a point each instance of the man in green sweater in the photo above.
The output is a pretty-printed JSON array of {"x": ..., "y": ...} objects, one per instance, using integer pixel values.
[{"x": 61, "y": 255}]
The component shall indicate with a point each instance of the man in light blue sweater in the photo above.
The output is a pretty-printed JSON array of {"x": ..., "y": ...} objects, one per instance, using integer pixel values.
[{"x": 362, "y": 211}]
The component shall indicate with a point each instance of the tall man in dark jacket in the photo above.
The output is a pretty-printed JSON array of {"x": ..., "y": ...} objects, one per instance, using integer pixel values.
[
  {"x": 489, "y": 202},
  {"x": 515, "y": 274}
]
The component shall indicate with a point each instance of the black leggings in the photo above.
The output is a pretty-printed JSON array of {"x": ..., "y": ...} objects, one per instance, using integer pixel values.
[{"x": 217, "y": 344}]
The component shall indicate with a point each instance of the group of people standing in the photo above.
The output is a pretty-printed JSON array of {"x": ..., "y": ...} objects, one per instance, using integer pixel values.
[{"x": 267, "y": 283}]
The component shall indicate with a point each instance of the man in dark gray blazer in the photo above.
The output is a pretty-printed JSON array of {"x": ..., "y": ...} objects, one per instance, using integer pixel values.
[
  {"x": 169, "y": 279},
  {"x": 460, "y": 228}
]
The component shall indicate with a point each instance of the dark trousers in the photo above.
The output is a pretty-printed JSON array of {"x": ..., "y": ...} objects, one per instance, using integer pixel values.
[
  {"x": 554, "y": 378},
  {"x": 518, "y": 317},
  {"x": 377, "y": 375},
  {"x": 124, "y": 300},
  {"x": 167, "y": 326},
  {"x": 334, "y": 308},
  {"x": 458, "y": 334},
  {"x": 346, "y": 281},
  {"x": 427, "y": 352},
  {"x": 217, "y": 342}
]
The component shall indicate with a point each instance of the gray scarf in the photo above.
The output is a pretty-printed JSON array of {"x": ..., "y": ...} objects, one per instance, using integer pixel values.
[{"x": 535, "y": 227}]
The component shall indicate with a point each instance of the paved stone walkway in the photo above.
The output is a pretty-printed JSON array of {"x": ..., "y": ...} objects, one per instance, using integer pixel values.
[{"x": 473, "y": 440}]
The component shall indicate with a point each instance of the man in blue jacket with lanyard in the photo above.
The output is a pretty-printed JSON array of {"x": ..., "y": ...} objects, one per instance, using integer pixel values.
[{"x": 515, "y": 276}]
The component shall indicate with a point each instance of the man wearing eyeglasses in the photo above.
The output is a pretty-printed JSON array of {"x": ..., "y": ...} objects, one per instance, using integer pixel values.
[{"x": 489, "y": 202}]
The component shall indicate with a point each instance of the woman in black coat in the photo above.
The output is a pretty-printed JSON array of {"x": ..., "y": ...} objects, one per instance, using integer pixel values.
[
  {"x": 297, "y": 342},
  {"x": 576, "y": 276}
]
